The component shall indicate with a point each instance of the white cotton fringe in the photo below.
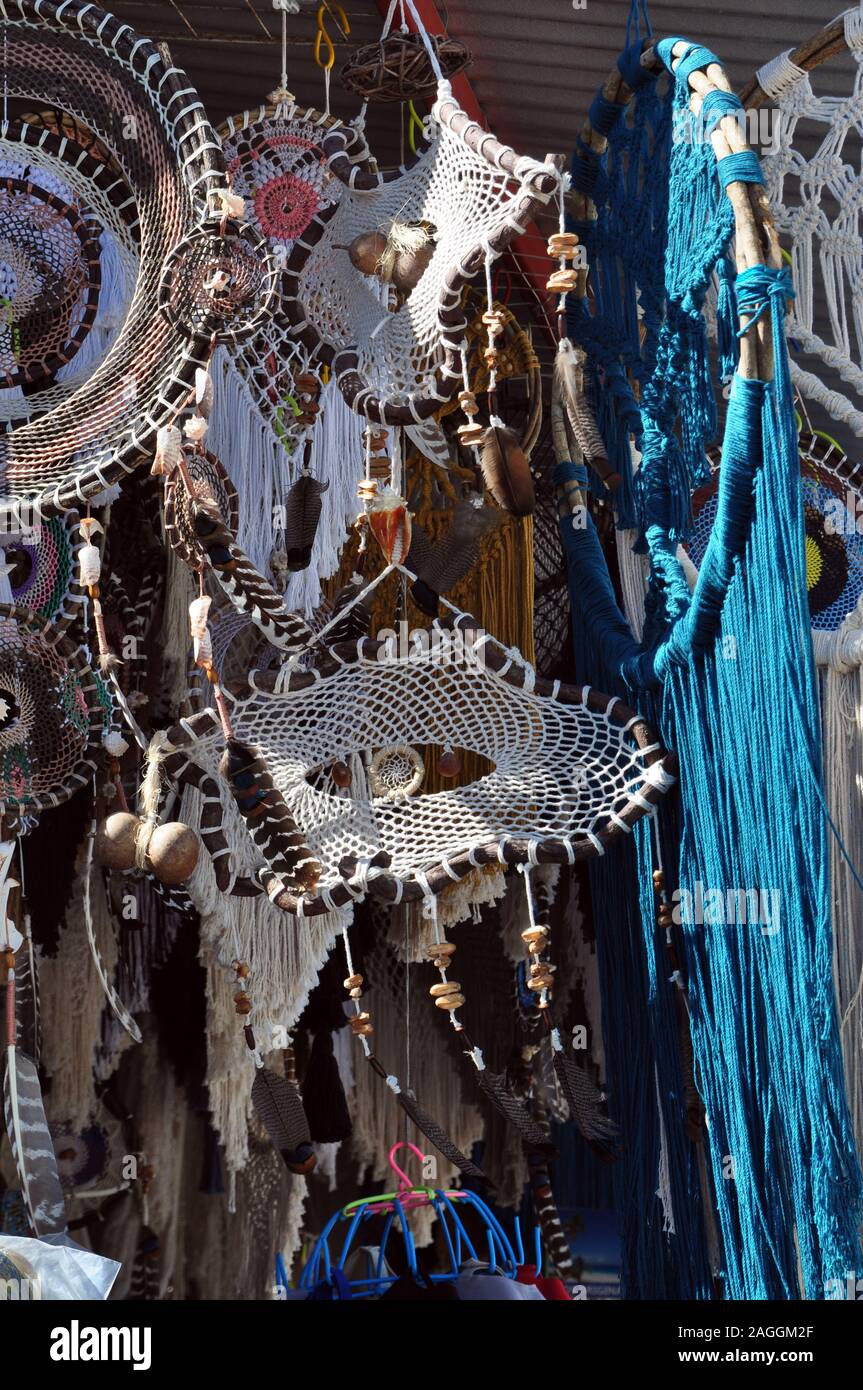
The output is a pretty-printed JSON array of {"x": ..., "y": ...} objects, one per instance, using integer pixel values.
[
  {"x": 251, "y": 451},
  {"x": 284, "y": 954},
  {"x": 71, "y": 1005},
  {"x": 839, "y": 656},
  {"x": 337, "y": 459},
  {"x": 263, "y": 469},
  {"x": 175, "y": 642}
]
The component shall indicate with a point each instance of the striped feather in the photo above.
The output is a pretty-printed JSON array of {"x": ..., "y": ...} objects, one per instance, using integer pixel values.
[{"x": 32, "y": 1147}]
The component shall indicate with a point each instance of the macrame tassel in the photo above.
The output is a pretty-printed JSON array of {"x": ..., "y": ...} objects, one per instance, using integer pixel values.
[
  {"x": 279, "y": 1107},
  {"x": 324, "y": 1098},
  {"x": 727, "y": 319}
]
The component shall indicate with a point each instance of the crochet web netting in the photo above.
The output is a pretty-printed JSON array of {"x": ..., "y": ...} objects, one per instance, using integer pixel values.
[
  {"x": 814, "y": 178},
  {"x": 49, "y": 714},
  {"x": 52, "y": 168},
  {"x": 42, "y": 575},
  {"x": 556, "y": 771},
  {"x": 834, "y": 540},
  {"x": 464, "y": 200},
  {"x": 49, "y": 281},
  {"x": 156, "y": 185}
]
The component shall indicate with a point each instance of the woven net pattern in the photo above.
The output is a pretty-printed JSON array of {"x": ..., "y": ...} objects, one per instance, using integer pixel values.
[
  {"x": 277, "y": 164},
  {"x": 834, "y": 531},
  {"x": 817, "y": 203},
  {"x": 50, "y": 714},
  {"x": 568, "y": 769},
  {"x": 467, "y": 200},
  {"x": 76, "y": 58},
  {"x": 43, "y": 570},
  {"x": 54, "y": 168},
  {"x": 49, "y": 282}
]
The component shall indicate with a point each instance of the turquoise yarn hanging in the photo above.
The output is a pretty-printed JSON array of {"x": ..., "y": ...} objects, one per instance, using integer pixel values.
[{"x": 733, "y": 679}]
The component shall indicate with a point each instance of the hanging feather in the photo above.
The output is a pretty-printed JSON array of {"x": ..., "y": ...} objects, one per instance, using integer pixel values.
[
  {"x": 279, "y": 1107},
  {"x": 568, "y": 388},
  {"x": 270, "y": 824},
  {"x": 506, "y": 470},
  {"x": 435, "y": 1135},
  {"x": 302, "y": 514},
  {"x": 144, "y": 1278},
  {"x": 585, "y": 1105},
  {"x": 514, "y": 1111},
  {"x": 440, "y": 565},
  {"x": 32, "y": 1149},
  {"x": 118, "y": 1008},
  {"x": 27, "y": 1021},
  {"x": 357, "y": 617}
]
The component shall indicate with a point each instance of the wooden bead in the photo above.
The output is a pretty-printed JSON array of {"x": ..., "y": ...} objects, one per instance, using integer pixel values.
[
  {"x": 658, "y": 879},
  {"x": 562, "y": 244},
  {"x": 562, "y": 281},
  {"x": 361, "y": 1026},
  {"x": 445, "y": 987},
  {"x": 242, "y": 970},
  {"x": 450, "y": 1002},
  {"x": 449, "y": 764},
  {"x": 367, "y": 489},
  {"x": 355, "y": 993},
  {"x": 116, "y": 840},
  {"x": 467, "y": 401},
  {"x": 307, "y": 383},
  {"x": 533, "y": 937},
  {"x": 494, "y": 322},
  {"x": 352, "y": 981},
  {"x": 470, "y": 434},
  {"x": 376, "y": 439},
  {"x": 440, "y": 948},
  {"x": 341, "y": 774},
  {"x": 173, "y": 853},
  {"x": 243, "y": 1005},
  {"x": 380, "y": 467}
]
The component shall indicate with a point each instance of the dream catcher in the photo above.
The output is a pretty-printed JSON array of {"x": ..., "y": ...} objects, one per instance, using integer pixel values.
[
  {"x": 424, "y": 230},
  {"x": 165, "y": 180}
]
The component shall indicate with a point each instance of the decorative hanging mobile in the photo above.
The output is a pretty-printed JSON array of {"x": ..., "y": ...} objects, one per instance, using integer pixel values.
[{"x": 569, "y": 770}]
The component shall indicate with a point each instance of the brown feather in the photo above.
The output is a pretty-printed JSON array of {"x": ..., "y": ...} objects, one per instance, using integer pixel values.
[
  {"x": 302, "y": 514},
  {"x": 506, "y": 470}
]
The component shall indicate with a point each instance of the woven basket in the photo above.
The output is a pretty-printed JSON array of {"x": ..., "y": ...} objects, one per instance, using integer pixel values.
[{"x": 398, "y": 67}]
